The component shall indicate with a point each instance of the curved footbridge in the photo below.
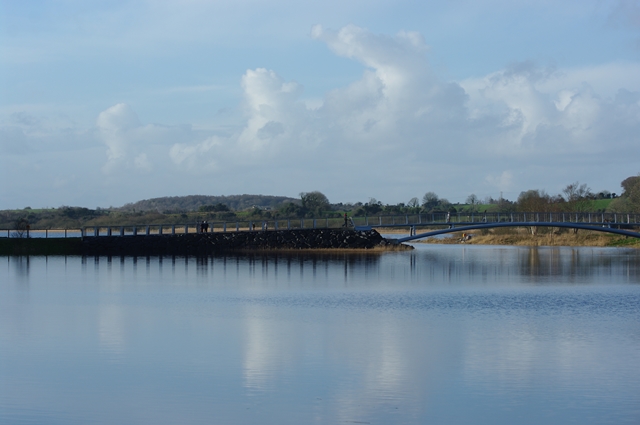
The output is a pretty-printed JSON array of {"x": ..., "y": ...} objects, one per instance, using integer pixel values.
[{"x": 621, "y": 224}]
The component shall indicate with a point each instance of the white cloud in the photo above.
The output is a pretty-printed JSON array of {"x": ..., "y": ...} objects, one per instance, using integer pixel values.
[
  {"x": 132, "y": 145},
  {"x": 116, "y": 125},
  {"x": 400, "y": 115},
  {"x": 396, "y": 131}
]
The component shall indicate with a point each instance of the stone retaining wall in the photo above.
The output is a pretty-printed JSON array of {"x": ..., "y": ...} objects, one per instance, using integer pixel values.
[{"x": 192, "y": 244}]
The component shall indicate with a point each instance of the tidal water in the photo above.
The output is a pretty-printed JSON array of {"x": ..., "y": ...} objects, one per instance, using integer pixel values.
[{"x": 439, "y": 335}]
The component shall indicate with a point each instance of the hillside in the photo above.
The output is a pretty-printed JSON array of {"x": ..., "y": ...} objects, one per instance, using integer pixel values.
[{"x": 173, "y": 204}]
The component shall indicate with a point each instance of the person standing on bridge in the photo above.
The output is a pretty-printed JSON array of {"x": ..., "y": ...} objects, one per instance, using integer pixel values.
[{"x": 449, "y": 217}]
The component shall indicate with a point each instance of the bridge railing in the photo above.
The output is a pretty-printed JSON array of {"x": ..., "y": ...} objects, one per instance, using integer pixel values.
[
  {"x": 428, "y": 219},
  {"x": 453, "y": 218}
]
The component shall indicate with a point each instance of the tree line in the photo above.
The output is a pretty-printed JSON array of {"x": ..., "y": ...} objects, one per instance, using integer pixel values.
[{"x": 575, "y": 197}]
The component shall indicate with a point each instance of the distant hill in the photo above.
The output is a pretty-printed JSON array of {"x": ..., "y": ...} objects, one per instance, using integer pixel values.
[{"x": 172, "y": 204}]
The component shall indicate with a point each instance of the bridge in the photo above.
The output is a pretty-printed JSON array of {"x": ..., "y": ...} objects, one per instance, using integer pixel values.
[
  {"x": 432, "y": 223},
  {"x": 461, "y": 222}
]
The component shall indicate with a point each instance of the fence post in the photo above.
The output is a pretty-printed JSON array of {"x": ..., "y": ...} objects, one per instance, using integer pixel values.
[
  {"x": 186, "y": 229},
  {"x": 160, "y": 230},
  {"x": 173, "y": 229}
]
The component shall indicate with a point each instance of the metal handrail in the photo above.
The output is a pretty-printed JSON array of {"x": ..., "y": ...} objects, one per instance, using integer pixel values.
[{"x": 403, "y": 220}]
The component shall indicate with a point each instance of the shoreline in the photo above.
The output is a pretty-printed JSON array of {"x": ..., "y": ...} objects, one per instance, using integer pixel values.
[{"x": 522, "y": 237}]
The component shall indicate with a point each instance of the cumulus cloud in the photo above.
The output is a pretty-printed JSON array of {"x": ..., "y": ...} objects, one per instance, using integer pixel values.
[
  {"x": 117, "y": 125},
  {"x": 132, "y": 145},
  {"x": 398, "y": 103},
  {"x": 401, "y": 115},
  {"x": 398, "y": 129}
]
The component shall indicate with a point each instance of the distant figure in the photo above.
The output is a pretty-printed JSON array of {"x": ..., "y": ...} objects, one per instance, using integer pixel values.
[
  {"x": 448, "y": 217},
  {"x": 346, "y": 221},
  {"x": 205, "y": 226},
  {"x": 465, "y": 237}
]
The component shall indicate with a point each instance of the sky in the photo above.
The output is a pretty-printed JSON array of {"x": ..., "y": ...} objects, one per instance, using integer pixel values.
[{"x": 103, "y": 103}]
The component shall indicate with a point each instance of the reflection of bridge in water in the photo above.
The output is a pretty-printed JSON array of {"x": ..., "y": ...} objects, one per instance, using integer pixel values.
[{"x": 622, "y": 224}]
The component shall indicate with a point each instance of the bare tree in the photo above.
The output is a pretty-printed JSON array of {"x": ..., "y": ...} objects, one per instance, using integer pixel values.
[
  {"x": 577, "y": 196},
  {"x": 21, "y": 228},
  {"x": 473, "y": 201}
]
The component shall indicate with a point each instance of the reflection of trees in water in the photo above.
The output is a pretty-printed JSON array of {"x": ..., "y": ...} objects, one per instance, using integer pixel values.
[
  {"x": 514, "y": 264},
  {"x": 578, "y": 263},
  {"x": 302, "y": 267},
  {"x": 432, "y": 265},
  {"x": 20, "y": 264},
  {"x": 462, "y": 264}
]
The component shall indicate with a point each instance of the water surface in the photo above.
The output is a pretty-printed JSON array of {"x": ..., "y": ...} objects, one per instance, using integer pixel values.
[{"x": 442, "y": 334}]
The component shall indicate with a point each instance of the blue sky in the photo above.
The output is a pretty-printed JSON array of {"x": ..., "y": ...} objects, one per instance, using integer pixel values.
[{"x": 108, "y": 102}]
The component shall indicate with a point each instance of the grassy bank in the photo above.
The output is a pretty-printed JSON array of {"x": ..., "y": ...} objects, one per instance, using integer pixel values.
[{"x": 523, "y": 237}]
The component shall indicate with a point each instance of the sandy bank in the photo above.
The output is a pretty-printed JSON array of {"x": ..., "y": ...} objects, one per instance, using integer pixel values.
[{"x": 522, "y": 237}]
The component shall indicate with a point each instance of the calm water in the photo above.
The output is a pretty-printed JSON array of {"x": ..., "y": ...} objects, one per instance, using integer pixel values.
[{"x": 440, "y": 335}]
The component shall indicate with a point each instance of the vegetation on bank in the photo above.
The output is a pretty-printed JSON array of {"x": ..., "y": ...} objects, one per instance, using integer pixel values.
[
  {"x": 575, "y": 197},
  {"x": 543, "y": 237}
]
